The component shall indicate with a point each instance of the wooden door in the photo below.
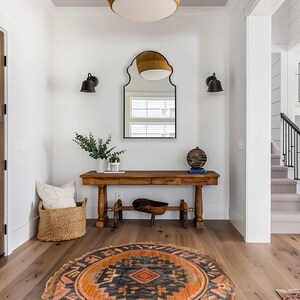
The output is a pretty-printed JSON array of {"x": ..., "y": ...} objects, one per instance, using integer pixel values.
[{"x": 2, "y": 143}]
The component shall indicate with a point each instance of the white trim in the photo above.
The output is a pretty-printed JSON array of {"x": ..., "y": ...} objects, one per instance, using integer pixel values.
[
  {"x": 258, "y": 119},
  {"x": 279, "y": 48},
  {"x": 22, "y": 234},
  {"x": 7, "y": 28},
  {"x": 201, "y": 11},
  {"x": 237, "y": 220},
  {"x": 230, "y": 6},
  {"x": 265, "y": 8},
  {"x": 83, "y": 12},
  {"x": 293, "y": 44},
  {"x": 50, "y": 7},
  {"x": 106, "y": 11}
]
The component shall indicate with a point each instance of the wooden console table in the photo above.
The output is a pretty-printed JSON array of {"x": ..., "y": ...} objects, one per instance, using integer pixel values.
[{"x": 102, "y": 180}]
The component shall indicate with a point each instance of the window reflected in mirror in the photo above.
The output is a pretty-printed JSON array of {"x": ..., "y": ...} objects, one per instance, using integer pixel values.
[{"x": 149, "y": 98}]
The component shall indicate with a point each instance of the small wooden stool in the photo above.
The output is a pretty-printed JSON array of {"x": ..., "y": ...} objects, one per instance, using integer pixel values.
[{"x": 182, "y": 208}]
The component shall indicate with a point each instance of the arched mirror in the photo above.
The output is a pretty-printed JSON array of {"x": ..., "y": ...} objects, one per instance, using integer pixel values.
[{"x": 150, "y": 98}]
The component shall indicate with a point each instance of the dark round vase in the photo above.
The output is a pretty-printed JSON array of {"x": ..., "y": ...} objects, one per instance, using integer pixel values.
[{"x": 196, "y": 158}]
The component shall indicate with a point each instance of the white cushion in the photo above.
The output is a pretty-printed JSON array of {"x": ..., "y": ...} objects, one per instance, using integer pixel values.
[{"x": 56, "y": 197}]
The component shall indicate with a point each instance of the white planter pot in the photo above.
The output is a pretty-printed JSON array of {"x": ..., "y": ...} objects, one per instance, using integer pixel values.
[
  {"x": 115, "y": 167},
  {"x": 101, "y": 165}
]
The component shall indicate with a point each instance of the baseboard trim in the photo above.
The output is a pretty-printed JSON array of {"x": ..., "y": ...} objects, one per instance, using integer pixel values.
[
  {"x": 20, "y": 235},
  {"x": 237, "y": 221}
]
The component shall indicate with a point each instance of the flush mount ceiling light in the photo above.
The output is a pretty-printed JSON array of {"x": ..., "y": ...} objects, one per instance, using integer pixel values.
[
  {"x": 153, "y": 66},
  {"x": 144, "y": 10}
]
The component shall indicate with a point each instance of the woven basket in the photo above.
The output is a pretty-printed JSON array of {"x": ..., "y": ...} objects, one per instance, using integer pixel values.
[{"x": 62, "y": 224}]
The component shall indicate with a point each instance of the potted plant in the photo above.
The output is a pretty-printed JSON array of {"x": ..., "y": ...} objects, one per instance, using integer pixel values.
[
  {"x": 114, "y": 161},
  {"x": 97, "y": 148}
]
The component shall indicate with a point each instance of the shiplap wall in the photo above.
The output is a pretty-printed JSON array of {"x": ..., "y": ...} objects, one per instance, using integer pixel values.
[
  {"x": 276, "y": 97},
  {"x": 293, "y": 7}
]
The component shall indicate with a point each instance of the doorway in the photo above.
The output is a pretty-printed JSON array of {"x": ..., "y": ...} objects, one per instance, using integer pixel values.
[{"x": 2, "y": 141}]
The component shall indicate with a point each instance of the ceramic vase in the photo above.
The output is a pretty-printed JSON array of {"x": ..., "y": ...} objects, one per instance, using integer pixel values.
[{"x": 101, "y": 165}]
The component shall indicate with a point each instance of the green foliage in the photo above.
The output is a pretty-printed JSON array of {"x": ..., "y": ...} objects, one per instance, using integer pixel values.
[
  {"x": 114, "y": 157},
  {"x": 97, "y": 148}
]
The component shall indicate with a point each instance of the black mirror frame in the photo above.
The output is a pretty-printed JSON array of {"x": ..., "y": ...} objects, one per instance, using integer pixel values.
[{"x": 124, "y": 87}]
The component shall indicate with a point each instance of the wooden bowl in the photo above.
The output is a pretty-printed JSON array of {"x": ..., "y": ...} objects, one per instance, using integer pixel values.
[{"x": 150, "y": 206}]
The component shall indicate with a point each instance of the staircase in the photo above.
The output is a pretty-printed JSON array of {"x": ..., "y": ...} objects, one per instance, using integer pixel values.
[{"x": 285, "y": 200}]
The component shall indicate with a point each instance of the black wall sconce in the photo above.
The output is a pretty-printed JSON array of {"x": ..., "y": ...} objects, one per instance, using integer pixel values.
[
  {"x": 214, "y": 85},
  {"x": 88, "y": 85}
]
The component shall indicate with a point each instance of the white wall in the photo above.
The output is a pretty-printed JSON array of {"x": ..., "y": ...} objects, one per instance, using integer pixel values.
[
  {"x": 237, "y": 119},
  {"x": 195, "y": 47},
  {"x": 276, "y": 98},
  {"x": 28, "y": 28}
]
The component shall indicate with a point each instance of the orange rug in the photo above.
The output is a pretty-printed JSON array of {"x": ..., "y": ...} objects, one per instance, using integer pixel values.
[
  {"x": 291, "y": 294},
  {"x": 140, "y": 271}
]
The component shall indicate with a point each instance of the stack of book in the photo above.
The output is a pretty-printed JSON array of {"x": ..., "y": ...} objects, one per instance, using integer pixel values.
[{"x": 200, "y": 171}]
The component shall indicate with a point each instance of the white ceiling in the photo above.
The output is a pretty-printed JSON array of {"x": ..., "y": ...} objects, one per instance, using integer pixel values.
[{"x": 103, "y": 3}]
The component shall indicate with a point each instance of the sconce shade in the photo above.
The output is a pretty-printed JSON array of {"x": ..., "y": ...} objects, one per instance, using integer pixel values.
[
  {"x": 88, "y": 85},
  {"x": 153, "y": 66},
  {"x": 214, "y": 85},
  {"x": 144, "y": 10}
]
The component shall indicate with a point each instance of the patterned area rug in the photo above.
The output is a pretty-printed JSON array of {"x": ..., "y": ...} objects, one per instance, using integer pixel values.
[
  {"x": 292, "y": 294},
  {"x": 140, "y": 271}
]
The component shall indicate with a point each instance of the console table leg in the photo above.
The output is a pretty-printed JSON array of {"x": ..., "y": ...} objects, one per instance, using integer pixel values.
[
  {"x": 198, "y": 207},
  {"x": 102, "y": 207}
]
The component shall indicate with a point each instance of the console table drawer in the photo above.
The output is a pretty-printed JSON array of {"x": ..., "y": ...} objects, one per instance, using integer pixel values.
[
  {"x": 102, "y": 181},
  {"x": 136, "y": 181},
  {"x": 166, "y": 181}
]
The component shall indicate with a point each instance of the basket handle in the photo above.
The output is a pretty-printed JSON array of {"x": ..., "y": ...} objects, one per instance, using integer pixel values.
[{"x": 40, "y": 205}]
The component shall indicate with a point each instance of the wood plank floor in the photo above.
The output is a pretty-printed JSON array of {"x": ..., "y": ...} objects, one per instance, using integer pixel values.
[{"x": 256, "y": 269}]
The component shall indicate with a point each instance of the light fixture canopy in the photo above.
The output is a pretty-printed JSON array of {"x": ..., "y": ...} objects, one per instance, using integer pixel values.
[
  {"x": 88, "y": 85},
  {"x": 153, "y": 66},
  {"x": 144, "y": 10},
  {"x": 214, "y": 85}
]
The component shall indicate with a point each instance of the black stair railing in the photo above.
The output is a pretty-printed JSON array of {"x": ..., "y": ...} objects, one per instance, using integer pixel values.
[{"x": 290, "y": 144}]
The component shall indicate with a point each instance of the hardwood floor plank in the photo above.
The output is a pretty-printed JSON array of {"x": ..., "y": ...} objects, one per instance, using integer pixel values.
[
  {"x": 256, "y": 269},
  {"x": 21, "y": 262}
]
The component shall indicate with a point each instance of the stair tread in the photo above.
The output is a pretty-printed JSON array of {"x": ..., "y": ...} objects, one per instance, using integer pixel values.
[
  {"x": 279, "y": 168},
  {"x": 283, "y": 181},
  {"x": 286, "y": 216},
  {"x": 275, "y": 155},
  {"x": 285, "y": 197}
]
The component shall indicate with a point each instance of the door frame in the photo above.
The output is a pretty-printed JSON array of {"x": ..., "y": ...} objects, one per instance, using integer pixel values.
[{"x": 5, "y": 27}]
